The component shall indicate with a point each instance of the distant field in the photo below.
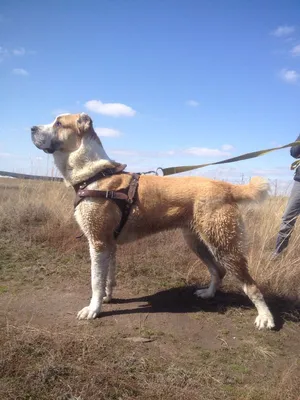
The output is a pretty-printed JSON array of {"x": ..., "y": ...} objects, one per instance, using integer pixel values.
[{"x": 156, "y": 341}]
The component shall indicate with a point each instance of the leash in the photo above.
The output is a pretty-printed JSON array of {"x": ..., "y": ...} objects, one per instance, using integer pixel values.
[
  {"x": 165, "y": 172},
  {"x": 246, "y": 156}
]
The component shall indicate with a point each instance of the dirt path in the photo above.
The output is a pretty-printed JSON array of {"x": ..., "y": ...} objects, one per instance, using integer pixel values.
[
  {"x": 170, "y": 330},
  {"x": 176, "y": 313}
]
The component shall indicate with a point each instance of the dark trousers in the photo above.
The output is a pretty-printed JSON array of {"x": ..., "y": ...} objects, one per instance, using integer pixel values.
[{"x": 289, "y": 218}]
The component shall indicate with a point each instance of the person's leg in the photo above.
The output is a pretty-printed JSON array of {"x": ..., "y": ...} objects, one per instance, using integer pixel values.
[{"x": 289, "y": 218}]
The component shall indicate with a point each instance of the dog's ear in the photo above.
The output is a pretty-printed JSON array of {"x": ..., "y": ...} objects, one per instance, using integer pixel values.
[{"x": 84, "y": 123}]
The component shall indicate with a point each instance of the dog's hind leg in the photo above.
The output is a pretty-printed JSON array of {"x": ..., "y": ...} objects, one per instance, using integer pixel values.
[
  {"x": 111, "y": 278},
  {"x": 217, "y": 271},
  {"x": 237, "y": 264},
  {"x": 224, "y": 231}
]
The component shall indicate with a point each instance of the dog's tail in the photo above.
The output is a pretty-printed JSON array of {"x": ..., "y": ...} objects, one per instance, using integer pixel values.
[{"x": 257, "y": 190}]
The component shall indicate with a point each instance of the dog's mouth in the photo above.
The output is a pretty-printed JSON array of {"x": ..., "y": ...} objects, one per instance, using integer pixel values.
[
  {"x": 55, "y": 145},
  {"x": 49, "y": 151}
]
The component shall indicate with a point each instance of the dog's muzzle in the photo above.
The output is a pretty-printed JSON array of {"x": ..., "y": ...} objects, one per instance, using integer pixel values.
[{"x": 43, "y": 141}]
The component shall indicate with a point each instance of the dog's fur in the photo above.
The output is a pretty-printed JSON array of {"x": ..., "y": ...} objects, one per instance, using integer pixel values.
[{"x": 206, "y": 210}]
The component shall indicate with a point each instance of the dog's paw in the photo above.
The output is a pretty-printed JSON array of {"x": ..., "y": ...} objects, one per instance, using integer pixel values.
[
  {"x": 204, "y": 293},
  {"x": 88, "y": 313},
  {"x": 107, "y": 299},
  {"x": 264, "y": 321}
]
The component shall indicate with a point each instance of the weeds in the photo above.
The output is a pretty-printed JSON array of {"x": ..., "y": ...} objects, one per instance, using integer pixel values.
[{"x": 38, "y": 247}]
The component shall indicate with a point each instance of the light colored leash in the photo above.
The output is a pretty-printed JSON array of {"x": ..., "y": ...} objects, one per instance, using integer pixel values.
[{"x": 246, "y": 156}]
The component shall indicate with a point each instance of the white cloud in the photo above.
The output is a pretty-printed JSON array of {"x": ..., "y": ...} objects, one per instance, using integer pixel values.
[
  {"x": 289, "y": 75},
  {"x": 59, "y": 111},
  {"x": 275, "y": 144},
  {"x": 197, "y": 151},
  {"x": 192, "y": 103},
  {"x": 5, "y": 155},
  {"x": 206, "y": 152},
  {"x": 110, "y": 109},
  {"x": 20, "y": 51},
  {"x": 227, "y": 147},
  {"x": 3, "y": 53},
  {"x": 124, "y": 152},
  {"x": 107, "y": 132},
  {"x": 283, "y": 30},
  {"x": 296, "y": 51},
  {"x": 20, "y": 71},
  {"x": 289, "y": 39},
  {"x": 143, "y": 153},
  {"x": 17, "y": 52},
  {"x": 276, "y": 171}
]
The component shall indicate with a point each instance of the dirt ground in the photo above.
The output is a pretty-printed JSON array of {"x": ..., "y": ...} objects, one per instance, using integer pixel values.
[{"x": 167, "y": 345}]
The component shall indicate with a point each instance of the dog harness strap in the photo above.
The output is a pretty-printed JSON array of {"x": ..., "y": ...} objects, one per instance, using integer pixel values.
[
  {"x": 133, "y": 187},
  {"x": 104, "y": 194},
  {"x": 126, "y": 207},
  {"x": 100, "y": 175},
  {"x": 125, "y": 210},
  {"x": 124, "y": 198}
]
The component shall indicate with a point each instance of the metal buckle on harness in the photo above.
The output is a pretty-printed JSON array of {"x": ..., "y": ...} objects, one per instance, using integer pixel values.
[
  {"x": 110, "y": 194},
  {"x": 108, "y": 172}
]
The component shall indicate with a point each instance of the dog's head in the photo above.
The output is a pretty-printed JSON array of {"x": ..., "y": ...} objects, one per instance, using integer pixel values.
[{"x": 64, "y": 134}]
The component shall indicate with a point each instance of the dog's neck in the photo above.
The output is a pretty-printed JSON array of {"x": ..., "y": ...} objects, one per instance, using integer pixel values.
[{"x": 85, "y": 162}]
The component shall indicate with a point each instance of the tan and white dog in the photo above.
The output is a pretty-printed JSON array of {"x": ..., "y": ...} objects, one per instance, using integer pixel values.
[{"x": 206, "y": 210}]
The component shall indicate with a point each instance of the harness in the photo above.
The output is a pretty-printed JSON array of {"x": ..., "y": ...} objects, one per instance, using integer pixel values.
[{"x": 124, "y": 198}]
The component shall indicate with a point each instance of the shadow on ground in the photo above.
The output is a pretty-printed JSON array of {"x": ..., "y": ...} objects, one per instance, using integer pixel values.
[{"x": 183, "y": 300}]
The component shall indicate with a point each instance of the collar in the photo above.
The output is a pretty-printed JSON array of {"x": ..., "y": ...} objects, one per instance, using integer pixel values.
[{"x": 99, "y": 175}]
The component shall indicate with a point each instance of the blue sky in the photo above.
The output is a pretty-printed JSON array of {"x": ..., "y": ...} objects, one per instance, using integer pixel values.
[{"x": 167, "y": 82}]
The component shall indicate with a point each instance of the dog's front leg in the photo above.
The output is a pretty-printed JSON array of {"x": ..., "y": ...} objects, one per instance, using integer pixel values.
[
  {"x": 100, "y": 257},
  {"x": 111, "y": 277}
]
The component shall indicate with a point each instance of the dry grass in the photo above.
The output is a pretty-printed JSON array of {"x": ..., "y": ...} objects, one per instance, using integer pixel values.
[
  {"x": 37, "y": 211},
  {"x": 41, "y": 365},
  {"x": 38, "y": 246},
  {"x": 41, "y": 213}
]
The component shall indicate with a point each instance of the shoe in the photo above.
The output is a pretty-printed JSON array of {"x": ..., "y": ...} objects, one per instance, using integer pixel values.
[
  {"x": 277, "y": 254},
  {"x": 274, "y": 256}
]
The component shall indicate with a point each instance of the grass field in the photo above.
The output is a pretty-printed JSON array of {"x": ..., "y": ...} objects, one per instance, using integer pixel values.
[{"x": 155, "y": 341}]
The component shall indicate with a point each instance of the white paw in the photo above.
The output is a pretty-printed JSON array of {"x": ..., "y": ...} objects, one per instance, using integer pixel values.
[
  {"x": 204, "y": 293},
  {"x": 107, "y": 299},
  {"x": 88, "y": 313},
  {"x": 264, "y": 321}
]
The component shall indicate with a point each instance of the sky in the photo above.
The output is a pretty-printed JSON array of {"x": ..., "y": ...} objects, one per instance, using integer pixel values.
[{"x": 166, "y": 82}]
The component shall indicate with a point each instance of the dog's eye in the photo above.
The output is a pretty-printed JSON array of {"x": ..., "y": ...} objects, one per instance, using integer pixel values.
[{"x": 57, "y": 123}]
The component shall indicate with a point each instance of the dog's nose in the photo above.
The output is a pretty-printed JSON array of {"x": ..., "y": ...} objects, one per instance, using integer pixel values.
[{"x": 34, "y": 129}]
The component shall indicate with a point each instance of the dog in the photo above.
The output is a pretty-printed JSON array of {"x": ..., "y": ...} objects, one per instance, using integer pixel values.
[{"x": 206, "y": 210}]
